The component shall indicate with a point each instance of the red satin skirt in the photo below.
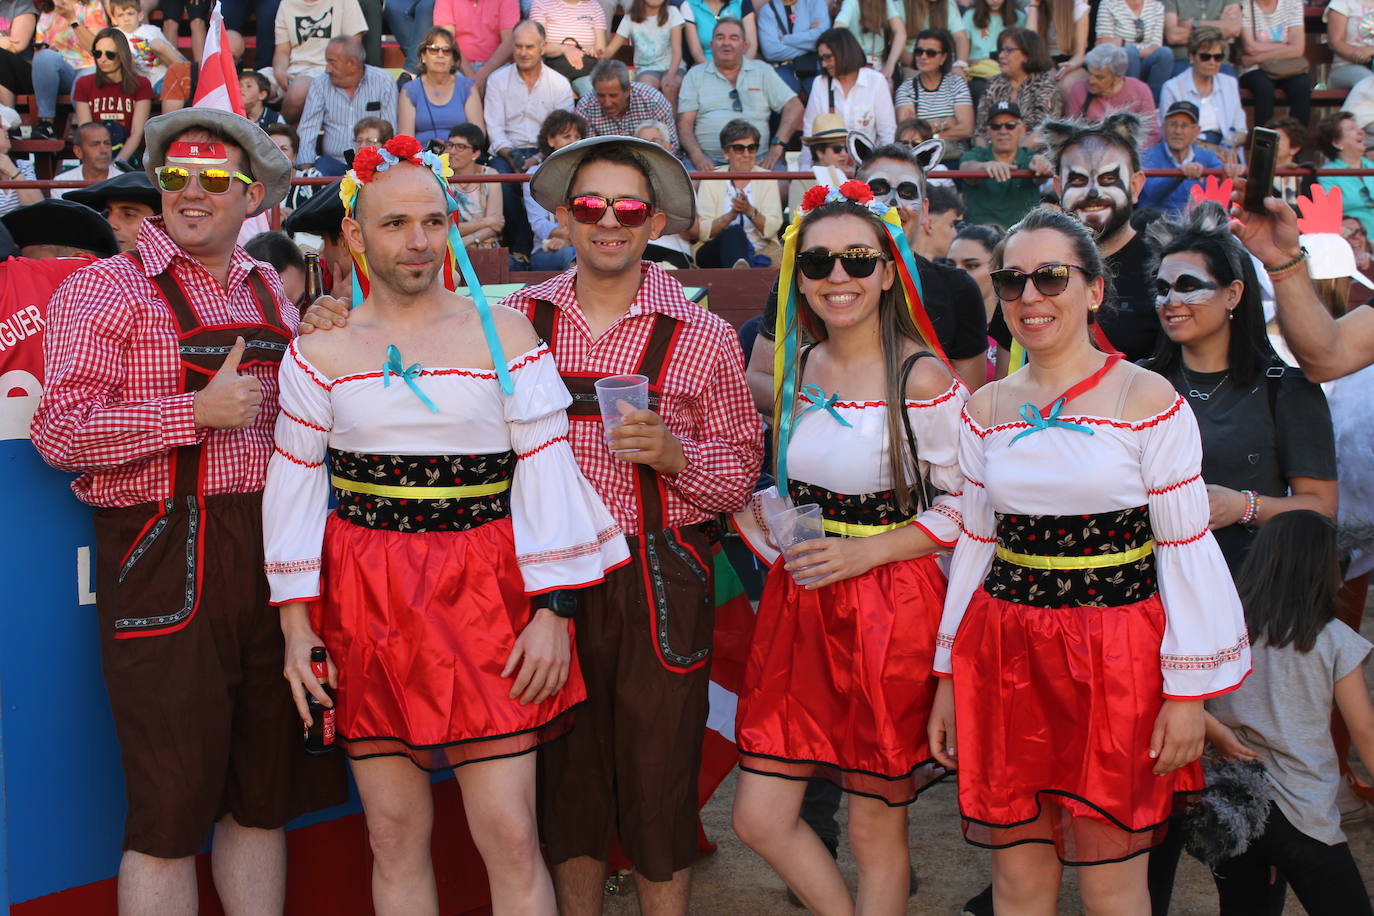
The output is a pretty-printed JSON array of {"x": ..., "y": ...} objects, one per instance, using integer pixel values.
[
  {"x": 420, "y": 626},
  {"x": 1054, "y": 709},
  {"x": 839, "y": 683}
]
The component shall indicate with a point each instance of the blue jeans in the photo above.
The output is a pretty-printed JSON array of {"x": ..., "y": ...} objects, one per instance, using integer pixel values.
[
  {"x": 519, "y": 236},
  {"x": 236, "y": 17},
  {"x": 52, "y": 76},
  {"x": 1155, "y": 69},
  {"x": 409, "y": 20}
]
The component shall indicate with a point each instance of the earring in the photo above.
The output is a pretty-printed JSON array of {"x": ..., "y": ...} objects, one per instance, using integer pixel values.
[{"x": 1230, "y": 314}]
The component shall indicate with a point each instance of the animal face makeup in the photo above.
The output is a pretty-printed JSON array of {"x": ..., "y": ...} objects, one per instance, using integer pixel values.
[{"x": 1096, "y": 186}]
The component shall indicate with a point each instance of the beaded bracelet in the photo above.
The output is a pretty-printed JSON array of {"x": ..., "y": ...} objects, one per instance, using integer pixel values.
[
  {"x": 1288, "y": 267},
  {"x": 1252, "y": 501}
]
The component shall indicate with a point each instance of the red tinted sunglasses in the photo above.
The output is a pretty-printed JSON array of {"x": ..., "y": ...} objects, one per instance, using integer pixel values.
[{"x": 630, "y": 212}]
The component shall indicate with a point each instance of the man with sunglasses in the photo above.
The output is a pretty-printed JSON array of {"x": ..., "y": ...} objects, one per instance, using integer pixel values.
[
  {"x": 162, "y": 393},
  {"x": 999, "y": 198}
]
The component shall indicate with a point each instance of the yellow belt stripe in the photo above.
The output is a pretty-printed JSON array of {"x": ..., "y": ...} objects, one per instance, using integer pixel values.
[
  {"x": 486, "y": 489},
  {"x": 1096, "y": 561},
  {"x": 850, "y": 530}
]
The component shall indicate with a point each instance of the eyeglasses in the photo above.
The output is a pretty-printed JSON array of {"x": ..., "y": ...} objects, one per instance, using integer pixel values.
[
  {"x": 743, "y": 148},
  {"x": 1219, "y": 56},
  {"x": 459, "y": 147},
  {"x": 857, "y": 262},
  {"x": 1004, "y": 125},
  {"x": 360, "y": 142},
  {"x": 825, "y": 56},
  {"x": 1190, "y": 290},
  {"x": 835, "y": 148},
  {"x": 438, "y": 49},
  {"x": 173, "y": 178},
  {"x": 907, "y": 190},
  {"x": 630, "y": 212},
  {"x": 1051, "y": 280},
  {"x": 108, "y": 55},
  {"x": 929, "y": 52},
  {"x": 734, "y": 99},
  {"x": 1009, "y": 49}
]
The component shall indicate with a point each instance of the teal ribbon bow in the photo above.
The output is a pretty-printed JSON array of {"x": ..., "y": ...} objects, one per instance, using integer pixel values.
[
  {"x": 395, "y": 366},
  {"x": 819, "y": 401},
  {"x": 1031, "y": 414}
]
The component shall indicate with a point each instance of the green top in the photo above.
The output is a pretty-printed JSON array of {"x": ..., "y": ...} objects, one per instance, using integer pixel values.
[{"x": 1001, "y": 202}]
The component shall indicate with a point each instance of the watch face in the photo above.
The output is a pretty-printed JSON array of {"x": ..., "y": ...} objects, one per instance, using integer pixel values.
[{"x": 563, "y": 602}]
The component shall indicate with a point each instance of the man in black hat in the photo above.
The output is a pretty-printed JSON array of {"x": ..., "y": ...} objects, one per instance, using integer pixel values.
[
  {"x": 126, "y": 200},
  {"x": 60, "y": 229},
  {"x": 322, "y": 214},
  {"x": 26, "y": 285},
  {"x": 1177, "y": 149},
  {"x": 999, "y": 198},
  {"x": 162, "y": 393}
]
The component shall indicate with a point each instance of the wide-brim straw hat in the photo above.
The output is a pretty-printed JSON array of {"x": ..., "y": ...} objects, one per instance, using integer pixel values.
[{"x": 667, "y": 176}]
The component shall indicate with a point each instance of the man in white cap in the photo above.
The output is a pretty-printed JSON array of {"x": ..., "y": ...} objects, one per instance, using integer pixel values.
[{"x": 162, "y": 393}]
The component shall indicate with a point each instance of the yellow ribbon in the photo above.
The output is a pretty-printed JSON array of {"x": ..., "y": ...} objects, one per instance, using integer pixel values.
[
  {"x": 1096, "y": 561},
  {"x": 1018, "y": 357},
  {"x": 354, "y": 486},
  {"x": 850, "y": 530}
]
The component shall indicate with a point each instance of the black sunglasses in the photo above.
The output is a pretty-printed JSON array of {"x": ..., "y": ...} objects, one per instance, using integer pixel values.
[
  {"x": 108, "y": 55},
  {"x": 734, "y": 99},
  {"x": 1004, "y": 125},
  {"x": 1213, "y": 57},
  {"x": 818, "y": 264},
  {"x": 743, "y": 147},
  {"x": 828, "y": 148},
  {"x": 1051, "y": 280},
  {"x": 907, "y": 190},
  {"x": 929, "y": 52}
]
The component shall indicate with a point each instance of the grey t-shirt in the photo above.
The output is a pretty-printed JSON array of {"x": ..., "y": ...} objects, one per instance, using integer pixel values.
[
  {"x": 1195, "y": 11},
  {"x": 1283, "y": 712}
]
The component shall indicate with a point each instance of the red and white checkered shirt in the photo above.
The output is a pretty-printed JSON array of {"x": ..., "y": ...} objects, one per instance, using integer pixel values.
[
  {"x": 113, "y": 408},
  {"x": 705, "y": 403}
]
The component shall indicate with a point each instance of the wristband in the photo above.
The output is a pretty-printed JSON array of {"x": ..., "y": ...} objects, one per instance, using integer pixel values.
[
  {"x": 1287, "y": 267},
  {"x": 1252, "y": 501},
  {"x": 776, "y": 141}
]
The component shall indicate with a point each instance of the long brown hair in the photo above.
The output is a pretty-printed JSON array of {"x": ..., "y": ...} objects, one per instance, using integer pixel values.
[
  {"x": 639, "y": 11},
  {"x": 926, "y": 14},
  {"x": 1061, "y": 16},
  {"x": 982, "y": 14},
  {"x": 128, "y": 76},
  {"x": 873, "y": 16}
]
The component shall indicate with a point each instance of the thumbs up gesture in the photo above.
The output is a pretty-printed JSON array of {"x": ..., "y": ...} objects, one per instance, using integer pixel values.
[{"x": 230, "y": 400}]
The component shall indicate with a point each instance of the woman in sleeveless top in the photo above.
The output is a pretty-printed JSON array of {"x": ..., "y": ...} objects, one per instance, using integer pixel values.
[{"x": 440, "y": 97}]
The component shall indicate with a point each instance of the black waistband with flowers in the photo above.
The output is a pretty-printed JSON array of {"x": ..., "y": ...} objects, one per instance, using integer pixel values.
[
  {"x": 1103, "y": 560},
  {"x": 416, "y": 493},
  {"x": 853, "y": 515}
]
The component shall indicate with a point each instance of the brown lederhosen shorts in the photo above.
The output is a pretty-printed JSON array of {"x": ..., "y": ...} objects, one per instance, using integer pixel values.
[
  {"x": 629, "y": 767},
  {"x": 205, "y": 720}
]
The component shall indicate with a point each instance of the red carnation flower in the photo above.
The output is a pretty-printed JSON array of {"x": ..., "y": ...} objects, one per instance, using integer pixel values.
[
  {"x": 857, "y": 191},
  {"x": 403, "y": 147},
  {"x": 365, "y": 163},
  {"x": 814, "y": 197}
]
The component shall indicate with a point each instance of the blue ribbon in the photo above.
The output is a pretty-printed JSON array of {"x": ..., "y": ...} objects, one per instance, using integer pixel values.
[
  {"x": 788, "y": 395},
  {"x": 1031, "y": 414},
  {"x": 819, "y": 401},
  {"x": 904, "y": 250},
  {"x": 479, "y": 299},
  {"x": 395, "y": 366}
]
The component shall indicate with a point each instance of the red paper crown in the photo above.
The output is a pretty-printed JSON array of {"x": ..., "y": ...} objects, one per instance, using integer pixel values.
[
  {"x": 1217, "y": 191},
  {"x": 1322, "y": 212}
]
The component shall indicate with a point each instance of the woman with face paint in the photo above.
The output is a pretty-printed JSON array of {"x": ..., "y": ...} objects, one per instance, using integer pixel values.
[
  {"x": 839, "y": 679},
  {"x": 1089, "y": 609},
  {"x": 1267, "y": 442}
]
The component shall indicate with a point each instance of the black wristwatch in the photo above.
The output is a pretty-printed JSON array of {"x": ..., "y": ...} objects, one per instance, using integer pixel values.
[
  {"x": 776, "y": 141},
  {"x": 563, "y": 602}
]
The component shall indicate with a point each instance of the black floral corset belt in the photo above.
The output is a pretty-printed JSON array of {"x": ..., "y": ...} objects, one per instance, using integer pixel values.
[
  {"x": 1104, "y": 560},
  {"x": 415, "y": 493},
  {"x": 850, "y": 515}
]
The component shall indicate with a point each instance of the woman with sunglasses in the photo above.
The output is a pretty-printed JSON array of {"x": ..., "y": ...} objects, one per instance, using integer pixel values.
[
  {"x": 936, "y": 93},
  {"x": 440, "y": 97},
  {"x": 1221, "y": 117},
  {"x": 1340, "y": 139},
  {"x": 115, "y": 95},
  {"x": 1026, "y": 79},
  {"x": 849, "y": 88},
  {"x": 1090, "y": 610},
  {"x": 838, "y": 682},
  {"x": 739, "y": 219}
]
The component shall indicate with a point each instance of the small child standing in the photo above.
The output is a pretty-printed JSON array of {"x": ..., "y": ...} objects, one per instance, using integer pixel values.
[
  {"x": 654, "y": 29},
  {"x": 1282, "y": 714},
  {"x": 155, "y": 58}
]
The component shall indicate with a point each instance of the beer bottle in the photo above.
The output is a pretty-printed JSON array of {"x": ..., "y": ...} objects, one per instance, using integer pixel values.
[
  {"x": 319, "y": 735},
  {"x": 314, "y": 281}
]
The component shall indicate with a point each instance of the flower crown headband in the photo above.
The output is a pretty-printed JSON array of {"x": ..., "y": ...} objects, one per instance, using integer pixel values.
[
  {"x": 787, "y": 332},
  {"x": 368, "y": 162}
]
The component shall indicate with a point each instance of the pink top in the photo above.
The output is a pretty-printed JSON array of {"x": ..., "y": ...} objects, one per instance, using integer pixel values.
[
  {"x": 1134, "y": 96},
  {"x": 477, "y": 24}
]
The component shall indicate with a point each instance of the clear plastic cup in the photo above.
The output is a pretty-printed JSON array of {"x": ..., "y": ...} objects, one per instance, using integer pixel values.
[
  {"x": 793, "y": 528},
  {"x": 629, "y": 390}
]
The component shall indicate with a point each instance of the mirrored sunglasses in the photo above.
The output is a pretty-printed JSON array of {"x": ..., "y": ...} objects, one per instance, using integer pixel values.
[
  {"x": 630, "y": 212},
  {"x": 857, "y": 262},
  {"x": 174, "y": 178},
  {"x": 1050, "y": 280}
]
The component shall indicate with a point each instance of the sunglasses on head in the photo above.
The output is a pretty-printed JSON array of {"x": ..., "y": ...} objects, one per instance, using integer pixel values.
[
  {"x": 1186, "y": 289},
  {"x": 108, "y": 55},
  {"x": 907, "y": 190},
  {"x": 929, "y": 52},
  {"x": 630, "y": 212},
  {"x": 743, "y": 147},
  {"x": 1051, "y": 280},
  {"x": 858, "y": 263},
  {"x": 174, "y": 178}
]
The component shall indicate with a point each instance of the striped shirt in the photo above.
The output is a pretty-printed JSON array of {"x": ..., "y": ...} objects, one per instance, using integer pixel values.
[
  {"x": 331, "y": 107},
  {"x": 1115, "y": 19},
  {"x": 578, "y": 21},
  {"x": 953, "y": 91},
  {"x": 646, "y": 104}
]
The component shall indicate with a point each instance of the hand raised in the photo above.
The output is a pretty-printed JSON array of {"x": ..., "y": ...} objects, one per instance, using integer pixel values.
[
  {"x": 324, "y": 313},
  {"x": 230, "y": 400}
]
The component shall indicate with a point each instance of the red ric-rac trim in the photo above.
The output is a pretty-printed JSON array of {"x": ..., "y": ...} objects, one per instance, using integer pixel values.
[
  {"x": 294, "y": 460},
  {"x": 976, "y": 483},
  {"x": 1175, "y": 486},
  {"x": 982, "y": 540},
  {"x": 1204, "y": 662},
  {"x": 306, "y": 423},
  {"x": 951, "y": 392},
  {"x": 1090, "y": 421},
  {"x": 307, "y": 368},
  {"x": 537, "y": 449},
  {"x": 1197, "y": 537}
]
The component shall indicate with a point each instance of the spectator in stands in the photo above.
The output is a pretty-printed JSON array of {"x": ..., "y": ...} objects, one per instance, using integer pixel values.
[
  {"x": 1063, "y": 24},
  {"x": 15, "y": 170},
  {"x": 303, "y": 33},
  {"x": 441, "y": 96},
  {"x": 1352, "y": 230},
  {"x": 321, "y": 217},
  {"x": 68, "y": 32},
  {"x": 983, "y": 22},
  {"x": 256, "y": 89},
  {"x": 971, "y": 251},
  {"x": 18, "y": 18},
  {"x": 1176, "y": 151},
  {"x": 1025, "y": 79},
  {"x": 654, "y": 28},
  {"x": 702, "y": 17},
  {"x": 738, "y": 220},
  {"x": 1341, "y": 143},
  {"x": 1108, "y": 88},
  {"x": 944, "y": 214},
  {"x": 265, "y": 18},
  {"x": 1184, "y": 18},
  {"x": 286, "y": 139},
  {"x": 1273, "y": 56},
  {"x": 937, "y": 93},
  {"x": 847, "y": 87},
  {"x": 831, "y": 163},
  {"x": 519, "y": 97},
  {"x": 126, "y": 200},
  {"x": 197, "y": 15},
  {"x": 552, "y": 248},
  {"x": 1349, "y": 35},
  {"x": 155, "y": 58},
  {"x": 372, "y": 131},
  {"x": 789, "y": 39},
  {"x": 115, "y": 95},
  {"x": 935, "y": 14},
  {"x": 1216, "y": 94},
  {"x": 732, "y": 86},
  {"x": 479, "y": 213},
  {"x": 1137, "y": 26},
  {"x": 408, "y": 20},
  {"x": 1000, "y": 198},
  {"x": 669, "y": 251},
  {"x": 577, "y": 37},
  {"x": 348, "y": 90},
  {"x": 484, "y": 31},
  {"x": 277, "y": 249},
  {"x": 1292, "y": 142},
  {"x": 877, "y": 24},
  {"x": 91, "y": 146},
  {"x": 617, "y": 106}
]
